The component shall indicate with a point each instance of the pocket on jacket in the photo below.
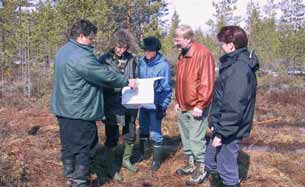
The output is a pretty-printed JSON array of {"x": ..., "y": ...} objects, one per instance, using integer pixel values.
[{"x": 190, "y": 95}]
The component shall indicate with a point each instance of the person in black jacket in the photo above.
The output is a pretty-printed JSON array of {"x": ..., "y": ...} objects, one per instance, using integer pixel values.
[
  {"x": 122, "y": 60},
  {"x": 233, "y": 104}
]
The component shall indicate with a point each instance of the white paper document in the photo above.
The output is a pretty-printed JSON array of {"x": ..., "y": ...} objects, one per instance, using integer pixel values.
[{"x": 142, "y": 96}]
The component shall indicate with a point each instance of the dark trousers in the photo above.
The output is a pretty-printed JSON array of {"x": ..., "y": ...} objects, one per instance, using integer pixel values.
[
  {"x": 223, "y": 160},
  {"x": 112, "y": 129},
  {"x": 78, "y": 140}
]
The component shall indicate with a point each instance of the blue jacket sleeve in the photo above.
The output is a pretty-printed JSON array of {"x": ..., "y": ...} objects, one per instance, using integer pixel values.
[{"x": 164, "y": 90}]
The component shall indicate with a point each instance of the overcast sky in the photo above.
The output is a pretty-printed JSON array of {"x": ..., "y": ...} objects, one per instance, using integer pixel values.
[{"x": 197, "y": 12}]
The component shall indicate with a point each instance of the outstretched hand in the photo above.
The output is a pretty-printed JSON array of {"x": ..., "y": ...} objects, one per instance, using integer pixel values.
[{"x": 132, "y": 83}]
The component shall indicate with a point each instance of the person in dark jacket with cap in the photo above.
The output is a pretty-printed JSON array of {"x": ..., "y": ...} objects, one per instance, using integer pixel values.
[
  {"x": 233, "y": 104},
  {"x": 154, "y": 64}
]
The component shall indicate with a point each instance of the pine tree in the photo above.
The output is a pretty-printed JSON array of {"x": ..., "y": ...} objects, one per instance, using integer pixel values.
[
  {"x": 293, "y": 32},
  {"x": 225, "y": 13},
  {"x": 169, "y": 49}
]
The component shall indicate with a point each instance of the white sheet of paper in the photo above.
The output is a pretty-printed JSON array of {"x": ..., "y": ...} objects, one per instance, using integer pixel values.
[{"x": 142, "y": 97}]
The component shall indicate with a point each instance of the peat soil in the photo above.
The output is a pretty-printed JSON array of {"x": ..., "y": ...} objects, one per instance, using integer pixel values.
[{"x": 273, "y": 155}]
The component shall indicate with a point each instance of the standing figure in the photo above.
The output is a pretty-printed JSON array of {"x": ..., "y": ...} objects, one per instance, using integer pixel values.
[
  {"x": 194, "y": 88},
  {"x": 233, "y": 104},
  {"x": 77, "y": 100},
  {"x": 154, "y": 64},
  {"x": 121, "y": 60}
]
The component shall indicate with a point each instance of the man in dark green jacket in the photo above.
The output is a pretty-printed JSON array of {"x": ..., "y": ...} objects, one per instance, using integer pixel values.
[{"x": 77, "y": 100}]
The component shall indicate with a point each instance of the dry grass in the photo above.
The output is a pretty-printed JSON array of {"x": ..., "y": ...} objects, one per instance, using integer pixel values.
[{"x": 278, "y": 160}]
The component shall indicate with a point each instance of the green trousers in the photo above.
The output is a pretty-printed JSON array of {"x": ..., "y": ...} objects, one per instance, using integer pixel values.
[{"x": 192, "y": 131}]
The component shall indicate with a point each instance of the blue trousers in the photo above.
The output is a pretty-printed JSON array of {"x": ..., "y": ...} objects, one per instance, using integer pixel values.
[
  {"x": 150, "y": 126},
  {"x": 223, "y": 160}
]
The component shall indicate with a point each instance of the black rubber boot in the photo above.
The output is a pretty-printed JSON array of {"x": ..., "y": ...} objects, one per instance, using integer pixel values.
[
  {"x": 144, "y": 149},
  {"x": 157, "y": 157},
  {"x": 68, "y": 171},
  {"x": 81, "y": 175},
  {"x": 110, "y": 162}
]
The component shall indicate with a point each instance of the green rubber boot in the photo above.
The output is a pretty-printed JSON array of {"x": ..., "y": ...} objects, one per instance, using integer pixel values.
[{"x": 126, "y": 158}]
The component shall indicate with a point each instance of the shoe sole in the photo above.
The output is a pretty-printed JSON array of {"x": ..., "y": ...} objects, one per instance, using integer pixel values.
[
  {"x": 193, "y": 182},
  {"x": 180, "y": 172}
]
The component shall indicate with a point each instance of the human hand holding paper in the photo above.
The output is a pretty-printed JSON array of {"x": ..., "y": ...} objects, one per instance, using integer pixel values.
[
  {"x": 132, "y": 83},
  {"x": 142, "y": 97}
]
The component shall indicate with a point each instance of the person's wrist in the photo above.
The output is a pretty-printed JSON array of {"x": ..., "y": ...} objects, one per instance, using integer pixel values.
[
  {"x": 217, "y": 135},
  {"x": 196, "y": 109}
]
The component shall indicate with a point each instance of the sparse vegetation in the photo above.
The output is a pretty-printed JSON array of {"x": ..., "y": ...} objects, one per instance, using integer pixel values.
[{"x": 272, "y": 156}]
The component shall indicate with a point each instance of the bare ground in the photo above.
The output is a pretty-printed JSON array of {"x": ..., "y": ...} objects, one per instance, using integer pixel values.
[{"x": 274, "y": 154}]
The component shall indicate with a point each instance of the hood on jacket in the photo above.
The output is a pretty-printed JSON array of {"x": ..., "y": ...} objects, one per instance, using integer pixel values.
[
  {"x": 240, "y": 54},
  {"x": 254, "y": 62}
]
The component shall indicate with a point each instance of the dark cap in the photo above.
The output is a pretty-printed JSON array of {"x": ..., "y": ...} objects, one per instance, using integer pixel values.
[{"x": 151, "y": 43}]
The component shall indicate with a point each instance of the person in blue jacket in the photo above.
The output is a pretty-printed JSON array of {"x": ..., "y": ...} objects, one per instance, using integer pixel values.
[{"x": 154, "y": 64}]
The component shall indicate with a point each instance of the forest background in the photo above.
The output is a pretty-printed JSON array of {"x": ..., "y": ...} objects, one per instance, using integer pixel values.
[{"x": 32, "y": 31}]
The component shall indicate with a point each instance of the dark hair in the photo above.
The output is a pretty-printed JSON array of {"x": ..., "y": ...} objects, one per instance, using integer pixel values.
[
  {"x": 123, "y": 37},
  {"x": 82, "y": 26},
  {"x": 151, "y": 43},
  {"x": 233, "y": 34}
]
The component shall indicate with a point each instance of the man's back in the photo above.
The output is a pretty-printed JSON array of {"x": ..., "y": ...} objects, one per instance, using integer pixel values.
[{"x": 73, "y": 96}]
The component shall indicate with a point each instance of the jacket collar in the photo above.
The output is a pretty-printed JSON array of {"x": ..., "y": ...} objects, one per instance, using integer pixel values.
[
  {"x": 86, "y": 47},
  {"x": 230, "y": 58},
  {"x": 239, "y": 54},
  {"x": 190, "y": 52},
  {"x": 156, "y": 60}
]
